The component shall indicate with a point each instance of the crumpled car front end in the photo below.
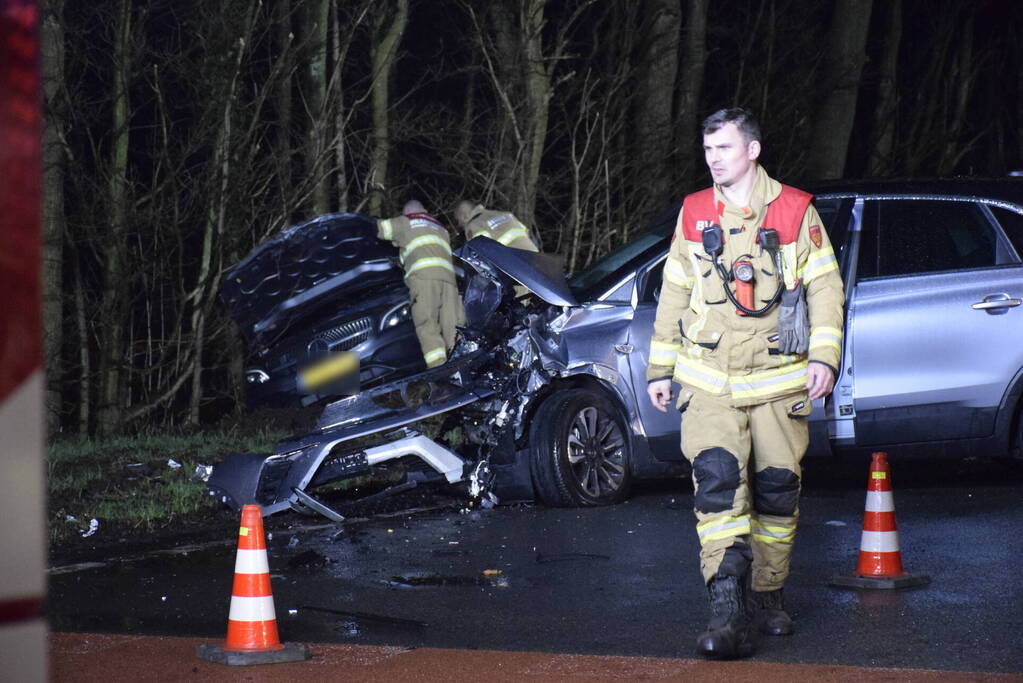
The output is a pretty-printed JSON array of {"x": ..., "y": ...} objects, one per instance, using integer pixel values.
[{"x": 506, "y": 354}]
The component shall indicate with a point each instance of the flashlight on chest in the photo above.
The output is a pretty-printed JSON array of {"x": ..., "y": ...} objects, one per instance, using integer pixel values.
[{"x": 743, "y": 272}]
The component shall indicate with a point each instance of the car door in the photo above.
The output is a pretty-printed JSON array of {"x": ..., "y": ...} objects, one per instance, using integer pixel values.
[
  {"x": 934, "y": 321},
  {"x": 662, "y": 429},
  {"x": 829, "y": 421}
]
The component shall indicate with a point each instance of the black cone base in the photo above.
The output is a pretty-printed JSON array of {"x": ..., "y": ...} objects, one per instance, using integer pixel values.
[
  {"x": 880, "y": 582},
  {"x": 292, "y": 652}
]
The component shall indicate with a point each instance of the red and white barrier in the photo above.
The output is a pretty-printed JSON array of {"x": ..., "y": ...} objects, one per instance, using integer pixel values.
[{"x": 22, "y": 487}]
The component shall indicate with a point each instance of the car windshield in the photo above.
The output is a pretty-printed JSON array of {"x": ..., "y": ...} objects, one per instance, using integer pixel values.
[{"x": 608, "y": 271}]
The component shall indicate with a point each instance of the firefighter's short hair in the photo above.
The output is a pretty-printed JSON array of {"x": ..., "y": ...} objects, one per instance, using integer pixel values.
[{"x": 742, "y": 118}]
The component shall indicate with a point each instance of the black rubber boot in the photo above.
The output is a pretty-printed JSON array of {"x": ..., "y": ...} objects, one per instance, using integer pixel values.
[
  {"x": 769, "y": 613},
  {"x": 729, "y": 633}
]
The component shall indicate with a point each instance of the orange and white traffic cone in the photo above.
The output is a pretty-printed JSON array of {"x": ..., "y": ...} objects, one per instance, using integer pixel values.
[
  {"x": 252, "y": 624},
  {"x": 880, "y": 564}
]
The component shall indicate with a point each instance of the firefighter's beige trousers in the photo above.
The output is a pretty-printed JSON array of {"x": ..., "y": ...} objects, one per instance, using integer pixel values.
[
  {"x": 735, "y": 510},
  {"x": 436, "y": 310}
]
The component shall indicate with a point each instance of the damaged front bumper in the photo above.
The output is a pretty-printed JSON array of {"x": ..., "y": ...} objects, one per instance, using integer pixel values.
[{"x": 353, "y": 435}]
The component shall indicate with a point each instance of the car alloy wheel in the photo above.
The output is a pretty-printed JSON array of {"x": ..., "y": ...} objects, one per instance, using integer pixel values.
[
  {"x": 579, "y": 450},
  {"x": 596, "y": 452}
]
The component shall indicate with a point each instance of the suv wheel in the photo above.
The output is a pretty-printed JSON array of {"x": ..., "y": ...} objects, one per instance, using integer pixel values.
[{"x": 579, "y": 452}]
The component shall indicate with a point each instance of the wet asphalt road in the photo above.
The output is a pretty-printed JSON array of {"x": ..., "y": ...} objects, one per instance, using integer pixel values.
[{"x": 620, "y": 581}]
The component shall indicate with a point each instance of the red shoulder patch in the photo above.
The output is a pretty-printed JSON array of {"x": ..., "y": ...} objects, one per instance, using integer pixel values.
[{"x": 815, "y": 235}]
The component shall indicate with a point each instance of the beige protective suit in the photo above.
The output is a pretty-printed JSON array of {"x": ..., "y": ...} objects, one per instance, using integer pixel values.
[
  {"x": 745, "y": 404},
  {"x": 425, "y": 252}
]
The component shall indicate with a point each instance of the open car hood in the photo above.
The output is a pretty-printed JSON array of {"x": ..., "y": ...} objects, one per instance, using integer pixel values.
[
  {"x": 331, "y": 256},
  {"x": 542, "y": 274}
]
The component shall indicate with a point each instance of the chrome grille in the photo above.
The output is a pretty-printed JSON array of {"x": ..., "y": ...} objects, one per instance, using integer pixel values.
[{"x": 343, "y": 337}]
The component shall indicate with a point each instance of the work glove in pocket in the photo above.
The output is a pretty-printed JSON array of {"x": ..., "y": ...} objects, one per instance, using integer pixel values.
[{"x": 793, "y": 322}]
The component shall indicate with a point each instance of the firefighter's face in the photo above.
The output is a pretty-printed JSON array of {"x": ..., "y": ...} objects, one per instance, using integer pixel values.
[{"x": 728, "y": 155}]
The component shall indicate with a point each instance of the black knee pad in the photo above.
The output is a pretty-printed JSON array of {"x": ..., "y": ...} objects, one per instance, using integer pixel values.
[
  {"x": 717, "y": 477},
  {"x": 736, "y": 561},
  {"x": 776, "y": 492}
]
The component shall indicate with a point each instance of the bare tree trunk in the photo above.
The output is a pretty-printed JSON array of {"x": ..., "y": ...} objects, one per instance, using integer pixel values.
[
  {"x": 285, "y": 40},
  {"x": 962, "y": 81},
  {"x": 503, "y": 54},
  {"x": 843, "y": 65},
  {"x": 113, "y": 306},
  {"x": 342, "y": 113},
  {"x": 205, "y": 289},
  {"x": 384, "y": 54},
  {"x": 538, "y": 98},
  {"x": 887, "y": 94},
  {"x": 655, "y": 129},
  {"x": 54, "y": 124},
  {"x": 85, "y": 367},
  {"x": 521, "y": 70},
  {"x": 694, "y": 61},
  {"x": 340, "y": 116},
  {"x": 315, "y": 16},
  {"x": 1019, "y": 119}
]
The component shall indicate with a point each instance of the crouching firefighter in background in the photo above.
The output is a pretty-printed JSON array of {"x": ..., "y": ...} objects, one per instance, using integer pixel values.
[
  {"x": 749, "y": 323},
  {"x": 424, "y": 248}
]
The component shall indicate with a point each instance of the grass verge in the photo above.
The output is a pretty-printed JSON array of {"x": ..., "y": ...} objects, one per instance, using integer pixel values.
[
  {"x": 134, "y": 485},
  {"x": 142, "y": 490}
]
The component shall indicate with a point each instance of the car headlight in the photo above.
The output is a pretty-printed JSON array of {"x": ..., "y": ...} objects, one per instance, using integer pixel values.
[
  {"x": 395, "y": 316},
  {"x": 256, "y": 377}
]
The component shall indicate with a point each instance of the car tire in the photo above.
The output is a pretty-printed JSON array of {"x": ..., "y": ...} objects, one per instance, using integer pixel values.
[{"x": 579, "y": 450}]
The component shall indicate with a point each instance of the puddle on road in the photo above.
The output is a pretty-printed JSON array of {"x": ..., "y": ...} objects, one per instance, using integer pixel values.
[
  {"x": 352, "y": 623},
  {"x": 437, "y": 580},
  {"x": 487, "y": 581}
]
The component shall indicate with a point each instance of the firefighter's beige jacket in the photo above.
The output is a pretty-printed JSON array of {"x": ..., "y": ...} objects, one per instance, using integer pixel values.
[
  {"x": 501, "y": 226},
  {"x": 732, "y": 356}
]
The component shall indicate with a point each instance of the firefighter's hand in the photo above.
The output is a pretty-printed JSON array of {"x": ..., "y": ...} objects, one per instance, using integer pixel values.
[
  {"x": 819, "y": 380},
  {"x": 660, "y": 394}
]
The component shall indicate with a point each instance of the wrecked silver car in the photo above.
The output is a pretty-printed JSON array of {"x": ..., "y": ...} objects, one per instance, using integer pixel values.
[{"x": 541, "y": 388}]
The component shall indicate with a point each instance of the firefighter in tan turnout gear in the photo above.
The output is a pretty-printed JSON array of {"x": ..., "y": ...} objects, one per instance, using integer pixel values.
[
  {"x": 497, "y": 225},
  {"x": 749, "y": 323},
  {"x": 424, "y": 247}
]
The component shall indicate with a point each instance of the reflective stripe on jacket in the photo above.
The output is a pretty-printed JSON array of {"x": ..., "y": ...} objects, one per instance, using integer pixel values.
[
  {"x": 424, "y": 245},
  {"x": 501, "y": 226}
]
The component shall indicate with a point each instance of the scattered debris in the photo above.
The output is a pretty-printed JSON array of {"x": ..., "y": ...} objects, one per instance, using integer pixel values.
[
  {"x": 136, "y": 470},
  {"x": 492, "y": 572},
  {"x": 93, "y": 528},
  {"x": 202, "y": 472},
  {"x": 834, "y": 522},
  {"x": 173, "y": 464},
  {"x": 293, "y": 541},
  {"x": 349, "y": 628}
]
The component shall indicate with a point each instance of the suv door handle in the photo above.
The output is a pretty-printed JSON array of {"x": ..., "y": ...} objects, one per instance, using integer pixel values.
[
  {"x": 993, "y": 301},
  {"x": 624, "y": 348}
]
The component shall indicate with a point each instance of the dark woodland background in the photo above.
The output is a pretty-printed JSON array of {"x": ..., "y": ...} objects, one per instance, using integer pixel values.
[{"x": 181, "y": 133}]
